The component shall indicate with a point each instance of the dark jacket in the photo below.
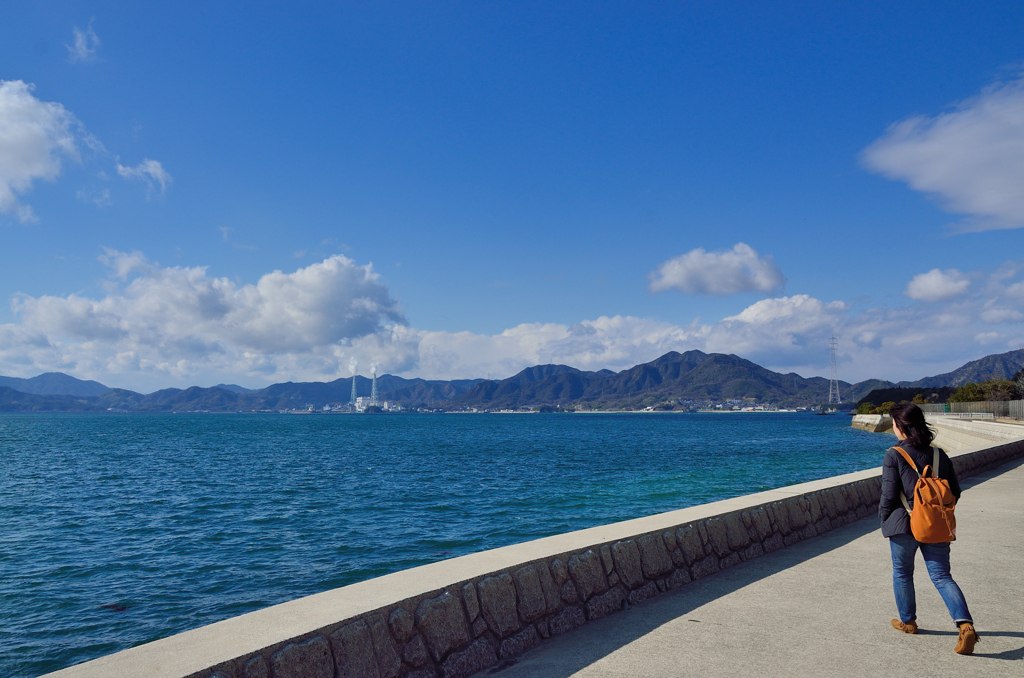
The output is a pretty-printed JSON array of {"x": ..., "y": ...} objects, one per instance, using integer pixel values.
[{"x": 897, "y": 476}]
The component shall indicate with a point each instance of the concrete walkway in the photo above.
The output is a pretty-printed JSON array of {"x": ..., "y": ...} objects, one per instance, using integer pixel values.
[{"x": 821, "y": 608}]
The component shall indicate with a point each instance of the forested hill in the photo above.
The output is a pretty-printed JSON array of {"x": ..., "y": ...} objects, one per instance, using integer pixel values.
[
  {"x": 998, "y": 366},
  {"x": 680, "y": 380},
  {"x": 674, "y": 378}
]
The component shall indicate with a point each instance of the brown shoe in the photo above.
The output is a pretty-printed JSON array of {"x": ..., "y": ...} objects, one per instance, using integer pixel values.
[
  {"x": 909, "y": 627},
  {"x": 968, "y": 637}
]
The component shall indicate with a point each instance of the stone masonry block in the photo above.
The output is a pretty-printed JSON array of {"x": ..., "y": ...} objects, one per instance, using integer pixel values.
[
  {"x": 755, "y": 550},
  {"x": 310, "y": 659},
  {"x": 568, "y": 593},
  {"x": 353, "y": 651},
  {"x": 605, "y": 603},
  {"x": 471, "y": 601},
  {"x": 422, "y": 673},
  {"x": 718, "y": 536},
  {"x": 703, "y": 568},
  {"x": 648, "y": 590},
  {"x": 401, "y": 623},
  {"x": 670, "y": 540},
  {"x": 759, "y": 521},
  {"x": 678, "y": 559},
  {"x": 531, "y": 597},
  {"x": 498, "y": 604},
  {"x": 794, "y": 513},
  {"x": 781, "y": 517},
  {"x": 839, "y": 497},
  {"x": 568, "y": 619},
  {"x": 387, "y": 658},
  {"x": 735, "y": 532},
  {"x": 729, "y": 561},
  {"x": 585, "y": 569},
  {"x": 542, "y": 628},
  {"x": 678, "y": 579},
  {"x": 475, "y": 658},
  {"x": 654, "y": 558},
  {"x": 442, "y": 623},
  {"x": 606, "y": 559},
  {"x": 559, "y": 571},
  {"x": 689, "y": 542},
  {"x": 702, "y": 530},
  {"x": 613, "y": 579},
  {"x": 627, "y": 563},
  {"x": 415, "y": 651},
  {"x": 519, "y": 643},
  {"x": 256, "y": 668},
  {"x": 478, "y": 627},
  {"x": 828, "y": 503},
  {"x": 814, "y": 511},
  {"x": 552, "y": 598}
]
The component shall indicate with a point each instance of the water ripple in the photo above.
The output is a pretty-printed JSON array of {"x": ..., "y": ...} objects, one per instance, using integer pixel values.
[{"x": 122, "y": 529}]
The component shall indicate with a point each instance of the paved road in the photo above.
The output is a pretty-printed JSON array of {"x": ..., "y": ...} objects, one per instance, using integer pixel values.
[{"x": 821, "y": 608}]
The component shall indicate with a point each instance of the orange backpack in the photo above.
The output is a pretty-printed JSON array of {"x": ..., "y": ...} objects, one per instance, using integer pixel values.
[{"x": 932, "y": 520}]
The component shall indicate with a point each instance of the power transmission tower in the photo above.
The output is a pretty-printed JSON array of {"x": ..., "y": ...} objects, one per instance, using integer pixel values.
[{"x": 833, "y": 384}]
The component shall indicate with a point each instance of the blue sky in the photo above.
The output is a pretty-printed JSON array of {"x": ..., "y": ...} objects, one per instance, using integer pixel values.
[{"x": 590, "y": 184}]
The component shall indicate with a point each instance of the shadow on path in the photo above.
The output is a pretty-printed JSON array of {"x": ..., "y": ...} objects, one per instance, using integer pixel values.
[
  {"x": 622, "y": 628},
  {"x": 599, "y": 639}
]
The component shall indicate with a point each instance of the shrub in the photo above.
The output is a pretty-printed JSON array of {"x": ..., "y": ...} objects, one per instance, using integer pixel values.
[
  {"x": 884, "y": 407},
  {"x": 993, "y": 389},
  {"x": 968, "y": 393},
  {"x": 865, "y": 408}
]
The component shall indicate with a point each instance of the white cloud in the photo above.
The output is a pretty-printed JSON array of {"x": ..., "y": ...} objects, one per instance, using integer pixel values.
[
  {"x": 936, "y": 285},
  {"x": 778, "y": 330},
  {"x": 181, "y": 321},
  {"x": 34, "y": 137},
  {"x": 98, "y": 198},
  {"x": 971, "y": 158},
  {"x": 149, "y": 171},
  {"x": 157, "y": 326},
  {"x": 86, "y": 44},
  {"x": 727, "y": 272}
]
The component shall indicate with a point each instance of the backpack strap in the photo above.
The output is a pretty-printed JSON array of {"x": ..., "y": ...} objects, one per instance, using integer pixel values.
[{"x": 903, "y": 453}]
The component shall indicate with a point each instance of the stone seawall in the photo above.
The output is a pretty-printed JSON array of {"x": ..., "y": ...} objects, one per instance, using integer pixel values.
[
  {"x": 464, "y": 615},
  {"x": 874, "y": 423}
]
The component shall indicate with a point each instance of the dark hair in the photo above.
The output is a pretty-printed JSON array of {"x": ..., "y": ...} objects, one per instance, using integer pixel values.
[{"x": 911, "y": 421}]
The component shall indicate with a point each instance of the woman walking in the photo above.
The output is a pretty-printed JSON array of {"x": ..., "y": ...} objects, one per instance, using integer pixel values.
[{"x": 899, "y": 477}]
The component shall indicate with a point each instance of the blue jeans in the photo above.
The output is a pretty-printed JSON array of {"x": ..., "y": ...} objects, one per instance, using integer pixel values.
[{"x": 936, "y": 559}]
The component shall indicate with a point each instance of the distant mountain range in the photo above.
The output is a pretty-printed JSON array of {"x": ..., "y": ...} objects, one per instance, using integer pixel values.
[
  {"x": 998, "y": 366},
  {"x": 55, "y": 383},
  {"x": 675, "y": 380}
]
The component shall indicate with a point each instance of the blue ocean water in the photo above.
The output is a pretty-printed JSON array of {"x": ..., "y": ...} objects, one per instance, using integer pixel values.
[{"x": 116, "y": 530}]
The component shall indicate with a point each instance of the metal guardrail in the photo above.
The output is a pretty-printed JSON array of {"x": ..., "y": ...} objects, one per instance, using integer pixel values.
[{"x": 984, "y": 416}]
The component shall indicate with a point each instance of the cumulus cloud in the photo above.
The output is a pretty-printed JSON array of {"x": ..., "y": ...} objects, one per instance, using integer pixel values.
[
  {"x": 85, "y": 45},
  {"x": 698, "y": 271},
  {"x": 157, "y": 326},
  {"x": 780, "y": 330},
  {"x": 936, "y": 285},
  {"x": 181, "y": 320},
  {"x": 149, "y": 171},
  {"x": 971, "y": 158},
  {"x": 35, "y": 136}
]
